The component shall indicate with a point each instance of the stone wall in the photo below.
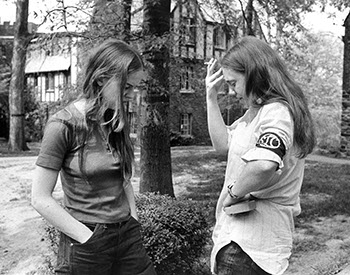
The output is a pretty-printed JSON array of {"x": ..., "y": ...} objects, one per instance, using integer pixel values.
[{"x": 345, "y": 117}]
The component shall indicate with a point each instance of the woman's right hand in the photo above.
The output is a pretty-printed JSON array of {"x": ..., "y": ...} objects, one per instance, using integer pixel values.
[
  {"x": 85, "y": 236},
  {"x": 213, "y": 80}
]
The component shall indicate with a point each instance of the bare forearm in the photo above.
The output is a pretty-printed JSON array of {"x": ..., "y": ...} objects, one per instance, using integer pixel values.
[
  {"x": 42, "y": 200},
  {"x": 61, "y": 219},
  {"x": 216, "y": 126},
  {"x": 255, "y": 176}
]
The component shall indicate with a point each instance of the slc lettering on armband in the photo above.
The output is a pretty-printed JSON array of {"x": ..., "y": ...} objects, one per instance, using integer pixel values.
[{"x": 272, "y": 142}]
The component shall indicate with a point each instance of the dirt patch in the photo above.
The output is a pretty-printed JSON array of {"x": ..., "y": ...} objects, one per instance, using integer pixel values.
[
  {"x": 321, "y": 247},
  {"x": 22, "y": 247}
]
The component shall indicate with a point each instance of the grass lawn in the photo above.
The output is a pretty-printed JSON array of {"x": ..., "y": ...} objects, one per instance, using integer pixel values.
[
  {"x": 34, "y": 148},
  {"x": 325, "y": 191}
]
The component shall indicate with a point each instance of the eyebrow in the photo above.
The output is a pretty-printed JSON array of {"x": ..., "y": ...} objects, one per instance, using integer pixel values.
[{"x": 231, "y": 82}]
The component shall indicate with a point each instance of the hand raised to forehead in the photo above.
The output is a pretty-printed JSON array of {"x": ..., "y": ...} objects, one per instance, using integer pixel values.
[{"x": 214, "y": 79}]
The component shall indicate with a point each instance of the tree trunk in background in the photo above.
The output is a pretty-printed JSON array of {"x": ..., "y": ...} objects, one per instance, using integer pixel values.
[
  {"x": 21, "y": 40},
  {"x": 249, "y": 17},
  {"x": 345, "y": 115},
  {"x": 155, "y": 163}
]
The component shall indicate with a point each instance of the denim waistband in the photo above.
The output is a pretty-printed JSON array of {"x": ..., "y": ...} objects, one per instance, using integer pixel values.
[{"x": 118, "y": 224}]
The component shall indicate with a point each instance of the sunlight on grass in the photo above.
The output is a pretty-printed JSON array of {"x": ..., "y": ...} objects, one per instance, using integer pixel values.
[{"x": 329, "y": 185}]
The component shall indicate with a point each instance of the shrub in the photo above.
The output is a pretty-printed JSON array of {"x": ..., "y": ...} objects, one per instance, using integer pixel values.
[
  {"x": 174, "y": 232},
  {"x": 176, "y": 139}
]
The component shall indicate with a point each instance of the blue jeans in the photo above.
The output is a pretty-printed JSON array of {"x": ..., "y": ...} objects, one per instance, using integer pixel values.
[
  {"x": 232, "y": 260},
  {"x": 113, "y": 249}
]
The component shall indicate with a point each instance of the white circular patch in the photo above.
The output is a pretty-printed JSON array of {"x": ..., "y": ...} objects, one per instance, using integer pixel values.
[{"x": 270, "y": 141}]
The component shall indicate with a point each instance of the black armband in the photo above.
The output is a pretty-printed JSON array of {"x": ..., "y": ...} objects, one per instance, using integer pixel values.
[{"x": 272, "y": 142}]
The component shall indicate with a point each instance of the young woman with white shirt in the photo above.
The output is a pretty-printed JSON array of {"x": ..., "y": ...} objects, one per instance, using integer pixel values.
[{"x": 266, "y": 150}]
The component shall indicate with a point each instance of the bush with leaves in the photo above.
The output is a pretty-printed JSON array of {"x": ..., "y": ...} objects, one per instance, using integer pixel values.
[
  {"x": 176, "y": 139},
  {"x": 174, "y": 232}
]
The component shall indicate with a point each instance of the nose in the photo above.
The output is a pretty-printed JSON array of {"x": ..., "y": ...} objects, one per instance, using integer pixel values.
[
  {"x": 232, "y": 91},
  {"x": 129, "y": 94}
]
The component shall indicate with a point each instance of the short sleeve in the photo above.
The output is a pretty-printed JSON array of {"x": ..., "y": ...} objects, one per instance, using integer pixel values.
[
  {"x": 54, "y": 145},
  {"x": 274, "y": 134}
]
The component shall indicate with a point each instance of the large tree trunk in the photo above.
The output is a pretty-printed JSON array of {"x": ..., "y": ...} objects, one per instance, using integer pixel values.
[
  {"x": 155, "y": 161},
  {"x": 21, "y": 39}
]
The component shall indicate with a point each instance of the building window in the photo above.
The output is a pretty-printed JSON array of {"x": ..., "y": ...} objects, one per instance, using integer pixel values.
[
  {"x": 36, "y": 81},
  {"x": 189, "y": 35},
  {"x": 186, "y": 124},
  {"x": 219, "y": 38},
  {"x": 186, "y": 78},
  {"x": 50, "y": 87},
  {"x": 50, "y": 83}
]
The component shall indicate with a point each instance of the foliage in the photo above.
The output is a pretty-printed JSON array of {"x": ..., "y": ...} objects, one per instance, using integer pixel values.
[
  {"x": 339, "y": 4},
  {"x": 319, "y": 72},
  {"x": 174, "y": 232},
  {"x": 176, "y": 139},
  {"x": 34, "y": 116},
  {"x": 318, "y": 69},
  {"x": 4, "y": 105},
  {"x": 327, "y": 126}
]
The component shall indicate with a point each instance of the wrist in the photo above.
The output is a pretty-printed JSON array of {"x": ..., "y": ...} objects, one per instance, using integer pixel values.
[{"x": 231, "y": 192}]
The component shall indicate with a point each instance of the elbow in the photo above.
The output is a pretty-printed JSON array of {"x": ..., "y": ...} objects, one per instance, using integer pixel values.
[
  {"x": 35, "y": 202},
  {"x": 220, "y": 149}
]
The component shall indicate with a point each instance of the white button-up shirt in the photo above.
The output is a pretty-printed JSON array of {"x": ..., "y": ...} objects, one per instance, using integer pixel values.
[{"x": 265, "y": 233}]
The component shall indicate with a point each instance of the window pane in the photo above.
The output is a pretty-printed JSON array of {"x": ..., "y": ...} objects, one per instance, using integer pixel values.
[{"x": 186, "y": 124}]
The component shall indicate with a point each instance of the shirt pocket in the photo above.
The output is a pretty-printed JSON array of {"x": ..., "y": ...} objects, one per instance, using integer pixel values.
[{"x": 242, "y": 139}]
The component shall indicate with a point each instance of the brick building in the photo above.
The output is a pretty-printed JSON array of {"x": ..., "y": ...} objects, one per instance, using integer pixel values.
[{"x": 345, "y": 117}]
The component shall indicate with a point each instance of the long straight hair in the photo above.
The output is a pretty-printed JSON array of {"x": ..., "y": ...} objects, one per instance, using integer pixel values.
[
  {"x": 113, "y": 59},
  {"x": 267, "y": 81}
]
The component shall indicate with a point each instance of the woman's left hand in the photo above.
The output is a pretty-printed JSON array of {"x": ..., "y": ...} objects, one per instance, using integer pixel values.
[{"x": 229, "y": 200}]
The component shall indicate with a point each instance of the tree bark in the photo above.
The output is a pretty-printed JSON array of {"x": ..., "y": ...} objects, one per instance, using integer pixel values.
[
  {"x": 249, "y": 18},
  {"x": 21, "y": 40},
  {"x": 155, "y": 162},
  {"x": 111, "y": 19}
]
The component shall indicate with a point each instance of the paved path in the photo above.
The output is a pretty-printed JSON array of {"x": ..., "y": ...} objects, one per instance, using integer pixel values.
[{"x": 325, "y": 159}]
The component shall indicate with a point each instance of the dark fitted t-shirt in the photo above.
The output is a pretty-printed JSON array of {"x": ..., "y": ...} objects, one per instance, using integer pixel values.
[{"x": 90, "y": 174}]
